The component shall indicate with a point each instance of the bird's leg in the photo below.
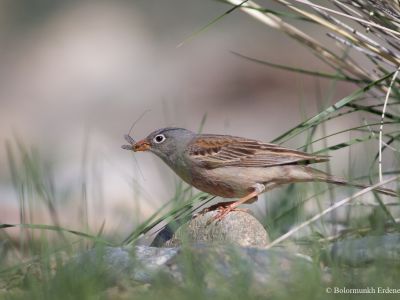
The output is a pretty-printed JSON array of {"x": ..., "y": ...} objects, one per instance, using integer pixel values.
[
  {"x": 213, "y": 207},
  {"x": 222, "y": 212}
]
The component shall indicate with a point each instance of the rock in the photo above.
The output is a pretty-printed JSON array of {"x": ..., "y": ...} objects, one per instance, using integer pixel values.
[
  {"x": 211, "y": 265},
  {"x": 366, "y": 250},
  {"x": 113, "y": 264},
  {"x": 238, "y": 227},
  {"x": 216, "y": 258}
]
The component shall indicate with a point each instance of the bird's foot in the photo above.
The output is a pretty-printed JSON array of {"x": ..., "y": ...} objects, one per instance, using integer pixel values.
[
  {"x": 220, "y": 215},
  {"x": 223, "y": 211},
  {"x": 216, "y": 206}
]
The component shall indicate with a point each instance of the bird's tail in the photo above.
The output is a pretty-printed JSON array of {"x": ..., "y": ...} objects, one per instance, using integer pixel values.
[{"x": 322, "y": 176}]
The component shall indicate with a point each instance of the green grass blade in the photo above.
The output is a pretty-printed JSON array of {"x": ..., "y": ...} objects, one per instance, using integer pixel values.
[
  {"x": 344, "y": 131},
  {"x": 320, "y": 117},
  {"x": 174, "y": 212},
  {"x": 372, "y": 110},
  {"x": 346, "y": 144},
  {"x": 207, "y": 26},
  {"x": 274, "y": 12},
  {"x": 300, "y": 70},
  {"x": 57, "y": 229}
]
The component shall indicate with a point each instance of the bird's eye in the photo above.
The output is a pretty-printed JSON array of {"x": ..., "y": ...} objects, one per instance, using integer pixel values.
[{"x": 159, "y": 138}]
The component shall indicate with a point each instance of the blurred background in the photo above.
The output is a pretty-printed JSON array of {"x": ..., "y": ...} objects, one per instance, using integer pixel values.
[{"x": 74, "y": 75}]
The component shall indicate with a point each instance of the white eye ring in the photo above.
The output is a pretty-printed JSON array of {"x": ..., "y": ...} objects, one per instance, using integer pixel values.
[{"x": 159, "y": 138}]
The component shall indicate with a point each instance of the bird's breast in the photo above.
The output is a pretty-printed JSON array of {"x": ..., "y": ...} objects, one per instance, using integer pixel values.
[{"x": 214, "y": 182}]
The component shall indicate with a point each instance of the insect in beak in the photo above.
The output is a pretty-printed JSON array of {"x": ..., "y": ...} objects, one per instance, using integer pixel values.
[
  {"x": 133, "y": 145},
  {"x": 142, "y": 145},
  {"x": 131, "y": 141}
]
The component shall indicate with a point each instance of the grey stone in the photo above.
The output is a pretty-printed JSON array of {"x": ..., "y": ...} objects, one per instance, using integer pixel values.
[
  {"x": 217, "y": 254},
  {"x": 140, "y": 263},
  {"x": 238, "y": 227},
  {"x": 211, "y": 263}
]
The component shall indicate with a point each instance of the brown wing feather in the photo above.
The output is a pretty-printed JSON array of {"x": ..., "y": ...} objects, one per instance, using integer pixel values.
[{"x": 213, "y": 151}]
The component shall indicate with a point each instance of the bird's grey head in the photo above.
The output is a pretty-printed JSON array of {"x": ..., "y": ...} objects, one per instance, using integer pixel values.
[{"x": 167, "y": 143}]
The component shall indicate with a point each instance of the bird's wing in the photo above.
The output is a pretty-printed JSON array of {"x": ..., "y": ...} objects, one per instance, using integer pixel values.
[{"x": 214, "y": 151}]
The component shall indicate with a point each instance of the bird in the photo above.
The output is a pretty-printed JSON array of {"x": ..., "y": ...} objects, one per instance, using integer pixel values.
[{"x": 233, "y": 167}]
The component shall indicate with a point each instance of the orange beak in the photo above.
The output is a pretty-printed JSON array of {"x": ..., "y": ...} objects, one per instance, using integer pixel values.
[{"x": 142, "y": 145}]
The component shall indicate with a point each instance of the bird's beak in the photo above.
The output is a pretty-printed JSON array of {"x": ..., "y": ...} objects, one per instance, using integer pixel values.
[{"x": 142, "y": 145}]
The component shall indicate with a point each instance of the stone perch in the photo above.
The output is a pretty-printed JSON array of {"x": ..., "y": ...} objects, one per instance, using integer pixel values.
[{"x": 238, "y": 227}]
